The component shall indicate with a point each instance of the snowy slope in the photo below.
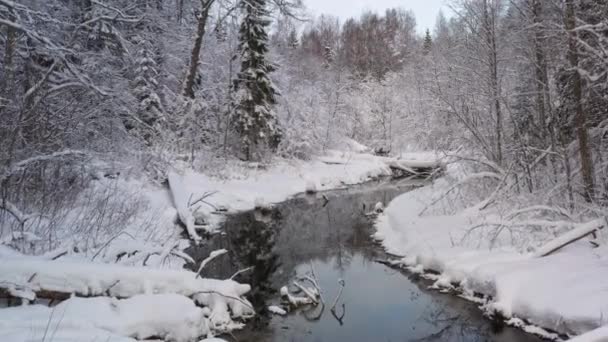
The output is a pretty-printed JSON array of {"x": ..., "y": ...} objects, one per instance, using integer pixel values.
[{"x": 565, "y": 292}]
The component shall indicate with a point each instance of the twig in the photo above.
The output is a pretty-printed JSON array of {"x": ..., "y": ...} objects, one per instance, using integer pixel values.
[
  {"x": 242, "y": 271},
  {"x": 307, "y": 292},
  {"x": 110, "y": 241},
  {"x": 201, "y": 199},
  {"x": 225, "y": 296},
  {"x": 212, "y": 256},
  {"x": 342, "y": 283}
]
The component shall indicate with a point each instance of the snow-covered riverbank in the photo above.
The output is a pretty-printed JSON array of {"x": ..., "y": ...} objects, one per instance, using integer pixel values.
[
  {"x": 129, "y": 279},
  {"x": 483, "y": 253},
  {"x": 247, "y": 188}
]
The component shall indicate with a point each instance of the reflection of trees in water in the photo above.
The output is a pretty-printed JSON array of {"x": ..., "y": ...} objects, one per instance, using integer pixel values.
[
  {"x": 324, "y": 231},
  {"x": 295, "y": 233},
  {"x": 254, "y": 245},
  {"x": 449, "y": 318},
  {"x": 250, "y": 239},
  {"x": 449, "y": 325}
]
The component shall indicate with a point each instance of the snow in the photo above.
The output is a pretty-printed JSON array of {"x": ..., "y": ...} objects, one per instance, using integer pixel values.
[
  {"x": 93, "y": 279},
  {"x": 597, "y": 335},
  {"x": 565, "y": 292},
  {"x": 277, "y": 310},
  {"x": 531, "y": 329},
  {"x": 224, "y": 299},
  {"x": 169, "y": 317}
]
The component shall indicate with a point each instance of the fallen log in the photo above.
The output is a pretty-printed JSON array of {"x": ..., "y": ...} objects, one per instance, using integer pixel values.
[
  {"x": 30, "y": 278},
  {"x": 416, "y": 168},
  {"x": 577, "y": 234},
  {"x": 181, "y": 198}
]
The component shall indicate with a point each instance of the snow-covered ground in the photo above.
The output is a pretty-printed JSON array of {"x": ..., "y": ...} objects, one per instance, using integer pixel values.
[
  {"x": 128, "y": 279},
  {"x": 481, "y": 253}
]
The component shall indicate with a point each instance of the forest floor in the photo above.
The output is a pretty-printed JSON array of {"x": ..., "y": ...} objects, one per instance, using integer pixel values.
[{"x": 492, "y": 258}]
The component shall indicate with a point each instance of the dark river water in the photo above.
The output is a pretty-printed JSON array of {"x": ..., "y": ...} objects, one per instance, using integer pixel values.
[{"x": 330, "y": 234}]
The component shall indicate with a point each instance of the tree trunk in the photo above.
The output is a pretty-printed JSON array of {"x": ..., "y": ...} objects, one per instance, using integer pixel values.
[
  {"x": 11, "y": 40},
  {"x": 196, "y": 51},
  {"x": 540, "y": 68},
  {"x": 489, "y": 18},
  {"x": 580, "y": 119},
  {"x": 179, "y": 4}
]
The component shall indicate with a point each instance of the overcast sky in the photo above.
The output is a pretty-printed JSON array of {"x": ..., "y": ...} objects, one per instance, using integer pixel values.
[{"x": 426, "y": 10}]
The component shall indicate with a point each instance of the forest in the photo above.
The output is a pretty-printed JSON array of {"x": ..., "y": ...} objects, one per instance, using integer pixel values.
[{"x": 103, "y": 103}]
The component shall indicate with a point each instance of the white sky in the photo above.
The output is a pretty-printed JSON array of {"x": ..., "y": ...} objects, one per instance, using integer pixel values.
[{"x": 426, "y": 10}]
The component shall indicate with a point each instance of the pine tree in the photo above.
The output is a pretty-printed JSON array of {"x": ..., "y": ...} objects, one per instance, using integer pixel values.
[
  {"x": 254, "y": 118},
  {"x": 428, "y": 42}
]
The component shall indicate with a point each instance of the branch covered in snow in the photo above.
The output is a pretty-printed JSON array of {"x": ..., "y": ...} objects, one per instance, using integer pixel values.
[
  {"x": 23, "y": 164},
  {"x": 572, "y": 236},
  {"x": 86, "y": 279},
  {"x": 212, "y": 256},
  {"x": 181, "y": 200}
]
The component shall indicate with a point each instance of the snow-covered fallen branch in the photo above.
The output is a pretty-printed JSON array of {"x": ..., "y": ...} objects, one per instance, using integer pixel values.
[
  {"x": 85, "y": 279},
  {"x": 313, "y": 294},
  {"x": 572, "y": 236},
  {"x": 181, "y": 200},
  {"x": 415, "y": 166},
  {"x": 23, "y": 164},
  {"x": 213, "y": 255},
  {"x": 277, "y": 310},
  {"x": 294, "y": 301}
]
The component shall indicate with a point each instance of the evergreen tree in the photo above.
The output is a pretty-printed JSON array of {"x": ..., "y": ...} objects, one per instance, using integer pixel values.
[
  {"x": 221, "y": 34},
  {"x": 294, "y": 41},
  {"x": 328, "y": 56},
  {"x": 428, "y": 42},
  {"x": 254, "y": 118},
  {"x": 145, "y": 87}
]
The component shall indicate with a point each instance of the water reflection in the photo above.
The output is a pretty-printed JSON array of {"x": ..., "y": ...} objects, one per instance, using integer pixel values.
[{"x": 331, "y": 233}]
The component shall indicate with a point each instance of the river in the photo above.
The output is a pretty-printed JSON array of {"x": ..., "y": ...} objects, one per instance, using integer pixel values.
[{"x": 330, "y": 234}]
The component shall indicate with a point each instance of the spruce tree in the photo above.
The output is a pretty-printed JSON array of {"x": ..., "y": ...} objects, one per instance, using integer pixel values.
[
  {"x": 328, "y": 56},
  {"x": 254, "y": 118},
  {"x": 428, "y": 42},
  {"x": 150, "y": 109},
  {"x": 293, "y": 39}
]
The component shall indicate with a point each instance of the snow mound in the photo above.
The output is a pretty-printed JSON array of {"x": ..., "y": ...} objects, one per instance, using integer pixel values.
[
  {"x": 173, "y": 318},
  {"x": 224, "y": 299}
]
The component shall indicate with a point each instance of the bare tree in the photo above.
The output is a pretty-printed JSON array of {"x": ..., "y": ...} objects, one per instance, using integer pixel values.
[{"x": 577, "y": 92}]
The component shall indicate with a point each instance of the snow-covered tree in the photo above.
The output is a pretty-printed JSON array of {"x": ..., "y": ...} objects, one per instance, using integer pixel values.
[
  {"x": 293, "y": 39},
  {"x": 254, "y": 116},
  {"x": 145, "y": 88},
  {"x": 427, "y": 45},
  {"x": 328, "y": 56}
]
